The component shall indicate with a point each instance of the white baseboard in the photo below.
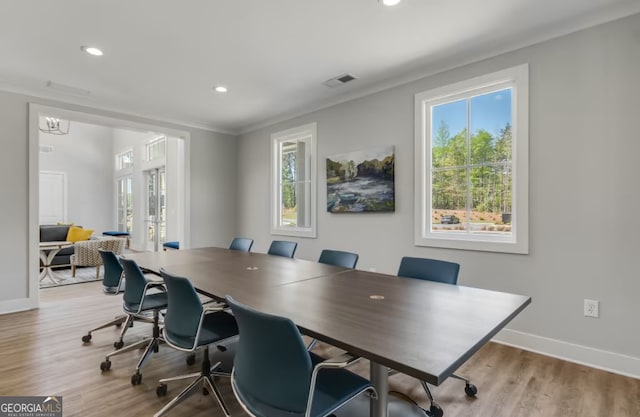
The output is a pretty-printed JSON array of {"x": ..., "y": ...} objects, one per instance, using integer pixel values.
[
  {"x": 13, "y": 306},
  {"x": 583, "y": 355}
]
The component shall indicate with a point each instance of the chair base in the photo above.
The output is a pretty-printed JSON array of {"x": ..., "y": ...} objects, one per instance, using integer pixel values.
[
  {"x": 152, "y": 345},
  {"x": 204, "y": 379},
  {"x": 118, "y": 321}
]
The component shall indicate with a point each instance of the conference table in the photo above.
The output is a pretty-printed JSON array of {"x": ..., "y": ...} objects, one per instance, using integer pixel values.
[{"x": 420, "y": 328}]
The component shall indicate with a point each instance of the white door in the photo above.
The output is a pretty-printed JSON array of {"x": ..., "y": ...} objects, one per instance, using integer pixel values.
[{"x": 53, "y": 197}]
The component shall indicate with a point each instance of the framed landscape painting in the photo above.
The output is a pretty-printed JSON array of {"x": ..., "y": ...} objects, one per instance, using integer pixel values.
[{"x": 361, "y": 181}]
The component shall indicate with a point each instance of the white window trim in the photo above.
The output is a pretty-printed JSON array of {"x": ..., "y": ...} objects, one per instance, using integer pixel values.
[
  {"x": 151, "y": 142},
  {"x": 276, "y": 198},
  {"x": 519, "y": 240}
]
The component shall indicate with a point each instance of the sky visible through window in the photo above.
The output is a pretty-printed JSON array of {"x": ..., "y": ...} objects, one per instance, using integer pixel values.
[{"x": 490, "y": 112}]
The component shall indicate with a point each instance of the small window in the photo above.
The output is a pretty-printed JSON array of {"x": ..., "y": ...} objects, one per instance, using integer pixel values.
[
  {"x": 293, "y": 182},
  {"x": 156, "y": 148},
  {"x": 472, "y": 164},
  {"x": 124, "y": 160}
]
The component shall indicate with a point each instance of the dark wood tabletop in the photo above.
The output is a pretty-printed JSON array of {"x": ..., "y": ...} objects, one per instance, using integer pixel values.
[
  {"x": 216, "y": 272},
  {"x": 421, "y": 328}
]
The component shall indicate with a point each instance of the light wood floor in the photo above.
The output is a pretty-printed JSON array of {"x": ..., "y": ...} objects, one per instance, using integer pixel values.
[{"x": 41, "y": 354}]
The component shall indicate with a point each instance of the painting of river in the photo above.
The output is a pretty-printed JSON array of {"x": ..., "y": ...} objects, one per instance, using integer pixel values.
[{"x": 361, "y": 181}]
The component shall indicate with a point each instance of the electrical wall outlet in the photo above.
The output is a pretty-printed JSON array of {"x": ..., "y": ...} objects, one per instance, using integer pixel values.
[
  {"x": 591, "y": 308},
  {"x": 372, "y": 269}
]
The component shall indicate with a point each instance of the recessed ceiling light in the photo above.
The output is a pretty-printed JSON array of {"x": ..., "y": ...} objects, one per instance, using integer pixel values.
[
  {"x": 221, "y": 89},
  {"x": 390, "y": 2},
  {"x": 92, "y": 50}
]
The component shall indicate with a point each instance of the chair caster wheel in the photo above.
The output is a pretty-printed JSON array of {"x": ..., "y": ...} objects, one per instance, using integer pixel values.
[
  {"x": 118, "y": 344},
  {"x": 86, "y": 338},
  {"x": 156, "y": 348},
  {"x": 161, "y": 390},
  {"x": 136, "y": 379},
  {"x": 118, "y": 325},
  {"x": 435, "y": 410},
  {"x": 471, "y": 390},
  {"x": 205, "y": 391},
  {"x": 105, "y": 366},
  {"x": 191, "y": 359}
]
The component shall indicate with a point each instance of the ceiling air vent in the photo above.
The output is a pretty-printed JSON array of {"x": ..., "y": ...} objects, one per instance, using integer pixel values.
[{"x": 339, "y": 80}]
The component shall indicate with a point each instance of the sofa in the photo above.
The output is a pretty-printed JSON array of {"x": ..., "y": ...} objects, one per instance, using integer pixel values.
[{"x": 53, "y": 233}]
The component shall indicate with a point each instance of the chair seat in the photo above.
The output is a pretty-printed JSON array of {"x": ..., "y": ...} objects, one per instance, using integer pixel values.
[
  {"x": 333, "y": 386},
  {"x": 215, "y": 327},
  {"x": 172, "y": 245},
  {"x": 115, "y": 233},
  {"x": 150, "y": 302}
]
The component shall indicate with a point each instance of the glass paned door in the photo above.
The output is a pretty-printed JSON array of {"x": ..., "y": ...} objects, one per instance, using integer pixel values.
[
  {"x": 125, "y": 204},
  {"x": 156, "y": 210}
]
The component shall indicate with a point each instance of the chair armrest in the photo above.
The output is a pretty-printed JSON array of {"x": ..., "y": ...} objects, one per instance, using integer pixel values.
[
  {"x": 154, "y": 285},
  {"x": 210, "y": 307},
  {"x": 339, "y": 361}
]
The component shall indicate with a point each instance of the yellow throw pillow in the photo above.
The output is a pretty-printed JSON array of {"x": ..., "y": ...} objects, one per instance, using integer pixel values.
[{"x": 78, "y": 233}]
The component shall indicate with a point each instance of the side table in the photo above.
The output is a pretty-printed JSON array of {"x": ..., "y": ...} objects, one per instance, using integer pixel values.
[{"x": 47, "y": 251}]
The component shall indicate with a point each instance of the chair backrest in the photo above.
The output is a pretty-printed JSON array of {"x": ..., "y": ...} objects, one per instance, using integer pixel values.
[
  {"x": 112, "y": 270},
  {"x": 115, "y": 245},
  {"x": 272, "y": 364},
  {"x": 242, "y": 244},
  {"x": 134, "y": 282},
  {"x": 184, "y": 310},
  {"x": 338, "y": 258},
  {"x": 429, "y": 269},
  {"x": 282, "y": 248}
]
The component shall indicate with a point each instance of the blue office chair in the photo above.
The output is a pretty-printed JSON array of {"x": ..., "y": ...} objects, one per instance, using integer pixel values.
[
  {"x": 282, "y": 248},
  {"x": 242, "y": 244},
  {"x": 274, "y": 374},
  {"x": 437, "y": 271},
  {"x": 140, "y": 295},
  {"x": 338, "y": 258},
  {"x": 111, "y": 285},
  {"x": 189, "y": 326}
]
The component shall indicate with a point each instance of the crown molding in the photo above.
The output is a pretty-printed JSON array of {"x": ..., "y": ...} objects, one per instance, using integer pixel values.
[{"x": 91, "y": 102}]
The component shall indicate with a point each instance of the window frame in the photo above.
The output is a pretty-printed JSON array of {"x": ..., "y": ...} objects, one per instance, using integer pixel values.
[
  {"x": 276, "y": 180},
  {"x": 518, "y": 242},
  {"x": 151, "y": 145}
]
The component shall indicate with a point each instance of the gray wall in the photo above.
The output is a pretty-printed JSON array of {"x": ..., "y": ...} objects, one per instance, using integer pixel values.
[
  {"x": 85, "y": 156},
  {"x": 211, "y": 162},
  {"x": 584, "y": 172}
]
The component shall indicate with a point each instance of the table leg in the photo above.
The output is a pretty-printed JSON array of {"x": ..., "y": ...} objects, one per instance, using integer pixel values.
[
  {"x": 380, "y": 380},
  {"x": 47, "y": 258}
]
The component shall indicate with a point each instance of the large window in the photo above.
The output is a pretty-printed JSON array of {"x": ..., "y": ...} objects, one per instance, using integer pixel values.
[
  {"x": 293, "y": 174},
  {"x": 472, "y": 164}
]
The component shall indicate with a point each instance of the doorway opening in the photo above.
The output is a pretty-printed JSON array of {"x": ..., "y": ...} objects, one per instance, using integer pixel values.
[{"x": 109, "y": 175}]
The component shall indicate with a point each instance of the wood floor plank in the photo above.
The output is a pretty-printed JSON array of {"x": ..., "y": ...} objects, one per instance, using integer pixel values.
[{"x": 42, "y": 354}]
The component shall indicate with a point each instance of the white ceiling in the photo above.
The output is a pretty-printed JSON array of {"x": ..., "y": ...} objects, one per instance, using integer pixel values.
[{"x": 162, "y": 57}]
